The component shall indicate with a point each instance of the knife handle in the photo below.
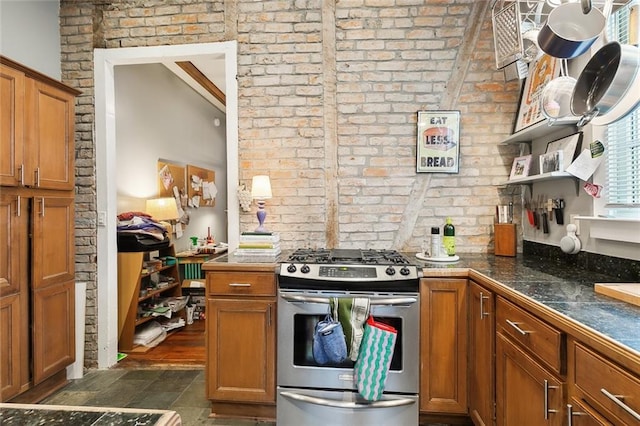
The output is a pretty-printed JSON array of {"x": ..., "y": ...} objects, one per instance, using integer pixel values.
[{"x": 545, "y": 223}]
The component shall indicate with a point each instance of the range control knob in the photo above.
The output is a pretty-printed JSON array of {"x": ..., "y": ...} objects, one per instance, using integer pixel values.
[
  {"x": 291, "y": 268},
  {"x": 305, "y": 269},
  {"x": 390, "y": 270},
  {"x": 404, "y": 271}
]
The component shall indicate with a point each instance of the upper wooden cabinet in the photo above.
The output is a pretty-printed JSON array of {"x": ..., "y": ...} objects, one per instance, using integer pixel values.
[{"x": 37, "y": 129}]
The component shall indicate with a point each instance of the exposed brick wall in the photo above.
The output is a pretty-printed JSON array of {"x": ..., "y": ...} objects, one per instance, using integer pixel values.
[{"x": 328, "y": 95}]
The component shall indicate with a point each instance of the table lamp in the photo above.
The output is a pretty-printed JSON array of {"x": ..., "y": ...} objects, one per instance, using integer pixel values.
[
  {"x": 261, "y": 191},
  {"x": 163, "y": 209}
]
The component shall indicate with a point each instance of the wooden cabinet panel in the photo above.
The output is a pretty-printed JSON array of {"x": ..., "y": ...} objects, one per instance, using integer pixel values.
[
  {"x": 11, "y": 349},
  {"x": 224, "y": 283},
  {"x": 526, "y": 393},
  {"x": 481, "y": 355},
  {"x": 11, "y": 125},
  {"x": 241, "y": 350},
  {"x": 53, "y": 329},
  {"x": 580, "y": 414},
  {"x": 545, "y": 342},
  {"x": 606, "y": 386},
  {"x": 53, "y": 258},
  {"x": 49, "y": 136},
  {"x": 443, "y": 346},
  {"x": 14, "y": 220}
]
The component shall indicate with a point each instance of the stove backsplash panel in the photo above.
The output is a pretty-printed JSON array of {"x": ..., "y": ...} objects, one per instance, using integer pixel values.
[{"x": 626, "y": 270}]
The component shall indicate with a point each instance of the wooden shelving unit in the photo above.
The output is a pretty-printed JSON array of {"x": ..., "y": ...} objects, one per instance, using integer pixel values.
[{"x": 132, "y": 278}]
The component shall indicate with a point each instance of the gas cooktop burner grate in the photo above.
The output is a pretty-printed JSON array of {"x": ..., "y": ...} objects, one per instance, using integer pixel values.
[{"x": 348, "y": 256}]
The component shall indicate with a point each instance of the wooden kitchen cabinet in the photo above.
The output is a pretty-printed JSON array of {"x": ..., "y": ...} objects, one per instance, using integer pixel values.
[
  {"x": 481, "y": 355},
  {"x": 37, "y": 129},
  {"x": 443, "y": 346},
  {"x": 241, "y": 347},
  {"x": 530, "y": 363},
  {"x": 579, "y": 414},
  {"x": 37, "y": 230}
]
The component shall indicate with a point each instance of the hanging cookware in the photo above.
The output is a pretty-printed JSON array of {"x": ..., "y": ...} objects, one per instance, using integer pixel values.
[
  {"x": 610, "y": 75},
  {"x": 568, "y": 32},
  {"x": 556, "y": 95}
]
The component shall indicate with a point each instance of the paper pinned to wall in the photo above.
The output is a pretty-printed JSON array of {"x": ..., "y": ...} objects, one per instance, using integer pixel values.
[
  {"x": 588, "y": 161},
  {"x": 201, "y": 185}
]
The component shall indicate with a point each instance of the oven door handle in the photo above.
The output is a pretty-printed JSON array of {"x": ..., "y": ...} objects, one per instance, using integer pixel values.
[
  {"x": 388, "y": 301},
  {"x": 348, "y": 404}
]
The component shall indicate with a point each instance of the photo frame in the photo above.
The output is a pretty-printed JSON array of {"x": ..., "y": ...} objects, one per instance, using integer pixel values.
[
  {"x": 438, "y": 142},
  {"x": 569, "y": 145},
  {"x": 541, "y": 72},
  {"x": 551, "y": 162},
  {"x": 520, "y": 167}
]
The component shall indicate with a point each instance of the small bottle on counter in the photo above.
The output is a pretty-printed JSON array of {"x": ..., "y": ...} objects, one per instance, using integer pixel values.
[
  {"x": 436, "y": 241},
  {"x": 449, "y": 238}
]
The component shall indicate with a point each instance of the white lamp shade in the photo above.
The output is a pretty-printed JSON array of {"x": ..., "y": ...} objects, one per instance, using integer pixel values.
[
  {"x": 261, "y": 187},
  {"x": 162, "y": 208}
]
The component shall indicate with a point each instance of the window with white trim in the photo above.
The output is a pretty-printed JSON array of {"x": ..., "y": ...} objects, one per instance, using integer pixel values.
[{"x": 623, "y": 140}]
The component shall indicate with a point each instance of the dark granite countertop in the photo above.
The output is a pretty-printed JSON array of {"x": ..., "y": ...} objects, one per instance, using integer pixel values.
[{"x": 568, "y": 290}]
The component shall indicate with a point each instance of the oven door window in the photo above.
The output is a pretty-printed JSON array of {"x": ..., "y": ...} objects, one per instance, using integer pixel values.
[{"x": 303, "y": 329}]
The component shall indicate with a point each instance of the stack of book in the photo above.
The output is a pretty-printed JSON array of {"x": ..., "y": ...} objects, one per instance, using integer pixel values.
[{"x": 253, "y": 244}]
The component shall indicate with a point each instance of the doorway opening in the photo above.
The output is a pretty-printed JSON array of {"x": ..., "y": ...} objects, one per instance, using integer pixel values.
[{"x": 105, "y": 120}]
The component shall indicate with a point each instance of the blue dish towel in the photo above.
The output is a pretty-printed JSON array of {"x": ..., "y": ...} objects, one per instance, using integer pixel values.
[{"x": 329, "y": 344}]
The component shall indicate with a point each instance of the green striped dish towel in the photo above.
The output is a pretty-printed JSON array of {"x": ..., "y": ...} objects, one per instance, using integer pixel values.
[{"x": 374, "y": 359}]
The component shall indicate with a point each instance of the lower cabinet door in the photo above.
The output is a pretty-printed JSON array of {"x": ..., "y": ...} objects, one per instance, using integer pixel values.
[
  {"x": 526, "y": 393},
  {"x": 53, "y": 329},
  {"x": 241, "y": 350},
  {"x": 11, "y": 354}
]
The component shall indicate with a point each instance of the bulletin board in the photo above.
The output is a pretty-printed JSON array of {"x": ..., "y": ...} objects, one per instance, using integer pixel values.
[
  {"x": 170, "y": 176},
  {"x": 201, "y": 188}
]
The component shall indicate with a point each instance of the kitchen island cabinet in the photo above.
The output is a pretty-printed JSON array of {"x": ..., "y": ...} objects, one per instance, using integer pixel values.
[{"x": 241, "y": 343}]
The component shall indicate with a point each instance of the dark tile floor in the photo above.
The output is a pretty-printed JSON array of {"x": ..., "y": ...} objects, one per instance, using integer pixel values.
[{"x": 181, "y": 390}]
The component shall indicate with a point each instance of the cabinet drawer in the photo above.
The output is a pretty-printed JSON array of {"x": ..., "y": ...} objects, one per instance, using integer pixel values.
[
  {"x": 597, "y": 377},
  {"x": 241, "y": 283},
  {"x": 543, "y": 341}
]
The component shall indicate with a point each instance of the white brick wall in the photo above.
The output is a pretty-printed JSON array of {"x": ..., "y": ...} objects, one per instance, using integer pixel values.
[{"x": 328, "y": 99}]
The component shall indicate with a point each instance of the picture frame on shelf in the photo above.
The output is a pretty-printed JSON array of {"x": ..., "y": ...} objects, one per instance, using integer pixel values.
[
  {"x": 569, "y": 145},
  {"x": 520, "y": 167},
  {"x": 551, "y": 162},
  {"x": 541, "y": 72},
  {"x": 438, "y": 142}
]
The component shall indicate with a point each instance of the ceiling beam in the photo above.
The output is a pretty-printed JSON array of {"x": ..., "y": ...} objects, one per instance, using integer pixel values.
[{"x": 202, "y": 80}]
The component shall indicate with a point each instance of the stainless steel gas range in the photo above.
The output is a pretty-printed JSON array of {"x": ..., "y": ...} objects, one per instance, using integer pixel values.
[{"x": 312, "y": 394}]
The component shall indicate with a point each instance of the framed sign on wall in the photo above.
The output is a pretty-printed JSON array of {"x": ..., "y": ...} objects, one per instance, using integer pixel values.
[{"x": 438, "y": 142}]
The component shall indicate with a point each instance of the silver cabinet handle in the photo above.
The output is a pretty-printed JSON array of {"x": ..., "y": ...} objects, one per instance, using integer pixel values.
[
  {"x": 21, "y": 174},
  {"x": 239, "y": 285},
  {"x": 42, "y": 205},
  {"x": 516, "y": 326},
  {"x": 617, "y": 399},
  {"x": 390, "y": 301},
  {"x": 18, "y": 207},
  {"x": 348, "y": 404},
  {"x": 571, "y": 413},
  {"x": 482, "y": 299},
  {"x": 546, "y": 399},
  {"x": 37, "y": 173},
  {"x": 269, "y": 315}
]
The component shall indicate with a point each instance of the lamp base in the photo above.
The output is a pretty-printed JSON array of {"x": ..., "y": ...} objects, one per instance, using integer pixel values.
[{"x": 262, "y": 215}]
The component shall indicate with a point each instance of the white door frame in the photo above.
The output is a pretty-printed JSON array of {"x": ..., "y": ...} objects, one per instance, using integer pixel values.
[{"x": 105, "y": 143}]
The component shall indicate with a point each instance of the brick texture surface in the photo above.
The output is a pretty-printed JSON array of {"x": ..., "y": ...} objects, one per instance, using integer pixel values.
[{"x": 328, "y": 99}]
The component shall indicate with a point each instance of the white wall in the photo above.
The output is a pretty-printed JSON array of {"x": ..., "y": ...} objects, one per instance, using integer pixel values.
[
  {"x": 30, "y": 34},
  {"x": 159, "y": 117}
]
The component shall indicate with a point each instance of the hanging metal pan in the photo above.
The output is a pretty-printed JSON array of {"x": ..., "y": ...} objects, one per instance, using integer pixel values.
[
  {"x": 605, "y": 80},
  {"x": 568, "y": 32}
]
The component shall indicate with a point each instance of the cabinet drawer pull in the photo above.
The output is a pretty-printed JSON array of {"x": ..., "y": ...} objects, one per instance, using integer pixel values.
[
  {"x": 571, "y": 413},
  {"x": 482, "y": 312},
  {"x": 37, "y": 173},
  {"x": 42, "y": 205},
  {"x": 546, "y": 399},
  {"x": 617, "y": 399},
  {"x": 239, "y": 285},
  {"x": 18, "y": 207},
  {"x": 21, "y": 174},
  {"x": 516, "y": 326}
]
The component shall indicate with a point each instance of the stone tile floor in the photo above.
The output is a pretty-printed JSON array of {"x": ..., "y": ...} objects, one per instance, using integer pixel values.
[{"x": 181, "y": 390}]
